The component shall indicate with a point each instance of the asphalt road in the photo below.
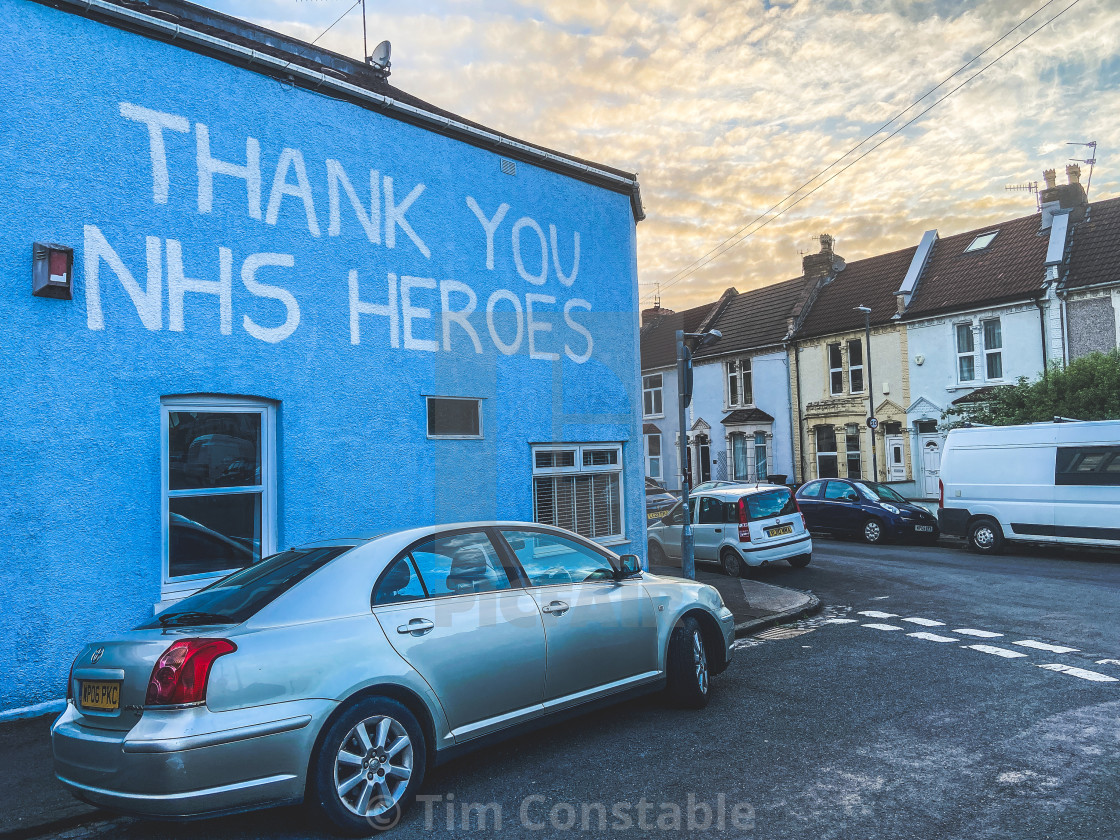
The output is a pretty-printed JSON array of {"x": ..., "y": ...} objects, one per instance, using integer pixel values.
[{"x": 836, "y": 727}]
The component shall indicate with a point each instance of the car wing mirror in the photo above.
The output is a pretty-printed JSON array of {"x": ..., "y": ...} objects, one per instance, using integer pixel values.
[{"x": 628, "y": 566}]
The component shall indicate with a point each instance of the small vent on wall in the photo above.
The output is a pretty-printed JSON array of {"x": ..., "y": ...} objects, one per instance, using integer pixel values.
[{"x": 509, "y": 167}]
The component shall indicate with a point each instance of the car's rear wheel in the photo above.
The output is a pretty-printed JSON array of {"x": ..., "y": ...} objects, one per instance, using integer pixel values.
[
  {"x": 368, "y": 767},
  {"x": 985, "y": 536},
  {"x": 873, "y": 531},
  {"x": 800, "y": 561},
  {"x": 656, "y": 554},
  {"x": 731, "y": 562},
  {"x": 688, "y": 684}
]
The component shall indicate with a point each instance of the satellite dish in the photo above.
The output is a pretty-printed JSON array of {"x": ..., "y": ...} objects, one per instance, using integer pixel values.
[
  {"x": 838, "y": 264},
  {"x": 380, "y": 57}
]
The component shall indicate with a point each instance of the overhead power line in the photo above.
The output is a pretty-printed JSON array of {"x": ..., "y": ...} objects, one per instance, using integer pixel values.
[
  {"x": 340, "y": 17},
  {"x": 738, "y": 237}
]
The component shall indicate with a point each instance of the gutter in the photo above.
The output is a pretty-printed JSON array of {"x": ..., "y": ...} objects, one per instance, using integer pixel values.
[{"x": 313, "y": 79}]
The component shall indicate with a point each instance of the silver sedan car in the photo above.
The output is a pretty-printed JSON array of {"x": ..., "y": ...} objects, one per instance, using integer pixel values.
[{"x": 335, "y": 673}]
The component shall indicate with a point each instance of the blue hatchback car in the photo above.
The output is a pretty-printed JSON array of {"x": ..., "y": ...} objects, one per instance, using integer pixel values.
[{"x": 867, "y": 509}]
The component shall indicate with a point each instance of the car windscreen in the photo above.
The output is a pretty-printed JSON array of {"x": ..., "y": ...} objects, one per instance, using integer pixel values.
[
  {"x": 879, "y": 492},
  {"x": 769, "y": 505},
  {"x": 237, "y": 597}
]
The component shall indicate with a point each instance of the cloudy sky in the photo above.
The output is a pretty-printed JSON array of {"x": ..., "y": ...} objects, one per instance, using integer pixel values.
[{"x": 725, "y": 108}]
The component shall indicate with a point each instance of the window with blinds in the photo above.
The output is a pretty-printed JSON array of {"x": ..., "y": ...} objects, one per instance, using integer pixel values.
[{"x": 588, "y": 499}]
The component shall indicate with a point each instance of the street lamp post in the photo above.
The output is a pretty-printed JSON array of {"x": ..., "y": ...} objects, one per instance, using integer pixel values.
[
  {"x": 871, "y": 421},
  {"x": 684, "y": 397}
]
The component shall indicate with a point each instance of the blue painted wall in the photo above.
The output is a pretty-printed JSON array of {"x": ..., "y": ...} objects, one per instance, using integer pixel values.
[{"x": 80, "y": 405}]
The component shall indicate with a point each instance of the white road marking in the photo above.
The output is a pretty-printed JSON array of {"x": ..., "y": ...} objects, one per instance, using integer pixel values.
[
  {"x": 1079, "y": 672},
  {"x": 979, "y": 634},
  {"x": 877, "y": 614},
  {"x": 933, "y": 637},
  {"x": 841, "y": 621},
  {"x": 881, "y": 626},
  {"x": 1108, "y": 661},
  {"x": 925, "y": 622},
  {"x": 880, "y": 598},
  {"x": 995, "y": 651},
  {"x": 1031, "y": 643}
]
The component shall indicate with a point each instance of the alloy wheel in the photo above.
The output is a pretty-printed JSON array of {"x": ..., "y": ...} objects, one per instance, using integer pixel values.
[
  {"x": 373, "y": 766},
  {"x": 872, "y": 531},
  {"x": 700, "y": 660}
]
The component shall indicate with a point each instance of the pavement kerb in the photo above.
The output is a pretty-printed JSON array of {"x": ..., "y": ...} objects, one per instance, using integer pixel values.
[{"x": 748, "y": 628}]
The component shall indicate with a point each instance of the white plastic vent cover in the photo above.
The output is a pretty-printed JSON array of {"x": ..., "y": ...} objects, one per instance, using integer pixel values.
[{"x": 509, "y": 167}]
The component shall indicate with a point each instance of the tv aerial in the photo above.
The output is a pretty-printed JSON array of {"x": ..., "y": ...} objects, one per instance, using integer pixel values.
[{"x": 1090, "y": 161}]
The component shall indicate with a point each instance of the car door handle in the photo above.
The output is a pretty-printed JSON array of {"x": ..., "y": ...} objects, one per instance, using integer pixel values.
[
  {"x": 417, "y": 627},
  {"x": 719, "y": 530},
  {"x": 556, "y": 608}
]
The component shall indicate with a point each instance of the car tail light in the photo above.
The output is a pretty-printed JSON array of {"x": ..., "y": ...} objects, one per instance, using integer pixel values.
[
  {"x": 940, "y": 493},
  {"x": 70, "y": 683},
  {"x": 797, "y": 507},
  {"x": 180, "y": 674},
  {"x": 744, "y": 528}
]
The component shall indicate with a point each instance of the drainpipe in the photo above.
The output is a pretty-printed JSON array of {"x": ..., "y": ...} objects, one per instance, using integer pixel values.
[
  {"x": 800, "y": 419},
  {"x": 1042, "y": 329}
]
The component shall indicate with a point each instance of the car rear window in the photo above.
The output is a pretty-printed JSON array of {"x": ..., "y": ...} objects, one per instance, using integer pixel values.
[
  {"x": 769, "y": 505},
  {"x": 239, "y": 596}
]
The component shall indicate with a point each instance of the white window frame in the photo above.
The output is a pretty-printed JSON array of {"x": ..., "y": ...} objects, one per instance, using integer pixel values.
[
  {"x": 834, "y": 452},
  {"x": 579, "y": 448},
  {"x": 478, "y": 405},
  {"x": 961, "y": 354},
  {"x": 738, "y": 371},
  {"x": 981, "y": 241},
  {"x": 992, "y": 351},
  {"x": 853, "y": 430},
  {"x": 860, "y": 367},
  {"x": 761, "y": 440},
  {"x": 658, "y": 390},
  {"x": 831, "y": 370},
  {"x": 659, "y": 457},
  {"x": 172, "y": 589}
]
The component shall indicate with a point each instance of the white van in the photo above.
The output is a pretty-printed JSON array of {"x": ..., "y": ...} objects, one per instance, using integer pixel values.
[{"x": 1046, "y": 482}]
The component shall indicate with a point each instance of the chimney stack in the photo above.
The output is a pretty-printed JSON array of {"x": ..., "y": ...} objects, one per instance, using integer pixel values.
[
  {"x": 1057, "y": 196},
  {"x": 654, "y": 314},
  {"x": 819, "y": 265}
]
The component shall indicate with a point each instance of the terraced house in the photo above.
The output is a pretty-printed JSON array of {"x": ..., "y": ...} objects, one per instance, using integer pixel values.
[{"x": 838, "y": 382}]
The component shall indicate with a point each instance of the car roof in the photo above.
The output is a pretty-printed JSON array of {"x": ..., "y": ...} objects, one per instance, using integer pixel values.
[
  {"x": 743, "y": 489},
  {"x": 423, "y": 530}
]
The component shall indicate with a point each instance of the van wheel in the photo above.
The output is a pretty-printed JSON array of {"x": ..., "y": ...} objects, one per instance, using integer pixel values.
[
  {"x": 656, "y": 554},
  {"x": 731, "y": 563},
  {"x": 800, "y": 561},
  {"x": 985, "y": 536},
  {"x": 368, "y": 767},
  {"x": 873, "y": 531},
  {"x": 688, "y": 682}
]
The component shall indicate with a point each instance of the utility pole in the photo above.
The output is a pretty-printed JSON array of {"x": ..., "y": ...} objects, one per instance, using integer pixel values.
[
  {"x": 872, "y": 422},
  {"x": 684, "y": 397}
]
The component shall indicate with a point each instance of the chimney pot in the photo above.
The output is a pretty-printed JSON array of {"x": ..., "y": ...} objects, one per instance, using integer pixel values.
[
  {"x": 1051, "y": 178},
  {"x": 1073, "y": 173}
]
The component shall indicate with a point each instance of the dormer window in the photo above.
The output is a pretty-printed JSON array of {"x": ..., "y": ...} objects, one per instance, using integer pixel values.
[{"x": 981, "y": 242}]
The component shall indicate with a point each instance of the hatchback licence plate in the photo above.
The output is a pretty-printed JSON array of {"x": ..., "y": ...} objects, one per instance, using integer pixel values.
[
  {"x": 100, "y": 695},
  {"x": 779, "y": 530},
  {"x": 657, "y": 514},
  {"x": 927, "y": 528}
]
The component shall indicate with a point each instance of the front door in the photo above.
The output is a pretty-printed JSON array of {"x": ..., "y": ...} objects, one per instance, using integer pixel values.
[
  {"x": 465, "y": 626},
  {"x": 896, "y": 459},
  {"x": 931, "y": 464},
  {"x": 598, "y": 631}
]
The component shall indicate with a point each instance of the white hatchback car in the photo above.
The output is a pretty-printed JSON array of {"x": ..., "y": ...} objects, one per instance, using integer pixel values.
[{"x": 737, "y": 527}]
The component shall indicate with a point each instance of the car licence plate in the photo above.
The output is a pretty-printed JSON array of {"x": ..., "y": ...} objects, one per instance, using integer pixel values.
[
  {"x": 779, "y": 530},
  {"x": 926, "y": 528},
  {"x": 657, "y": 514},
  {"x": 99, "y": 695}
]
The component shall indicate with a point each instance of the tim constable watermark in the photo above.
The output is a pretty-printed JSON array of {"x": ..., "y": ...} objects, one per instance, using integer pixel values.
[{"x": 539, "y": 813}]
